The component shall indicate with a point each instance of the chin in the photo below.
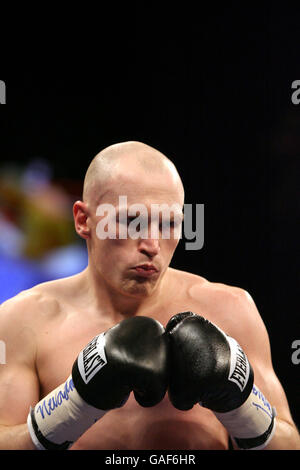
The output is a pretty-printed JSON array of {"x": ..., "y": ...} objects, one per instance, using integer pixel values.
[{"x": 138, "y": 289}]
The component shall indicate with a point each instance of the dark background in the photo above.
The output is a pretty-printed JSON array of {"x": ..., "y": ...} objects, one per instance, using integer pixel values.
[{"x": 210, "y": 90}]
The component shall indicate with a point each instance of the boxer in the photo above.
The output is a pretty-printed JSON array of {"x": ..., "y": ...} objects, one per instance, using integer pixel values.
[{"x": 89, "y": 358}]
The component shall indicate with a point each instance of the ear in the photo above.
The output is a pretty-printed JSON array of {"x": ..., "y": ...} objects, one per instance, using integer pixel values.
[{"x": 81, "y": 214}]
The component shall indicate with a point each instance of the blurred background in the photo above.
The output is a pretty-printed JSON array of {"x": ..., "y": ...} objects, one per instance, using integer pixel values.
[{"x": 212, "y": 92}]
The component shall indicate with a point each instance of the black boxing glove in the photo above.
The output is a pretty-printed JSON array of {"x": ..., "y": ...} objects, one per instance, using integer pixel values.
[
  {"x": 210, "y": 368},
  {"x": 130, "y": 356}
]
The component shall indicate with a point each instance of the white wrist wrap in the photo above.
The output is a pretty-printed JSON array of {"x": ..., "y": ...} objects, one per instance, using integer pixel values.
[
  {"x": 60, "y": 418},
  {"x": 252, "y": 425}
]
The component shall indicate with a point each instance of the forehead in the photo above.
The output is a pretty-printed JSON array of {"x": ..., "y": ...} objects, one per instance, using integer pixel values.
[{"x": 142, "y": 189}]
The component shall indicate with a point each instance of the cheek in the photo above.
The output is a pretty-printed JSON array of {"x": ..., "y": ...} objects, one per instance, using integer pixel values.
[
  {"x": 168, "y": 247},
  {"x": 111, "y": 254}
]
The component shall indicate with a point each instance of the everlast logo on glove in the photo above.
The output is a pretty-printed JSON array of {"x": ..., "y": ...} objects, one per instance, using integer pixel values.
[
  {"x": 92, "y": 358},
  {"x": 239, "y": 365}
]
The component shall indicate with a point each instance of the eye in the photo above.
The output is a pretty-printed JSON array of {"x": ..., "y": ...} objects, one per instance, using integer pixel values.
[
  {"x": 130, "y": 219},
  {"x": 166, "y": 224},
  {"x": 125, "y": 220}
]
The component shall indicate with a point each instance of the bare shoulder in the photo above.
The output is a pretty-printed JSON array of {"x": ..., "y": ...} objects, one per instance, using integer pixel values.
[
  {"x": 31, "y": 306},
  {"x": 232, "y": 308},
  {"x": 216, "y": 293}
]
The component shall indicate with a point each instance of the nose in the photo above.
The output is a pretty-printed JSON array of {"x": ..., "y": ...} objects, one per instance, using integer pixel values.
[{"x": 149, "y": 246}]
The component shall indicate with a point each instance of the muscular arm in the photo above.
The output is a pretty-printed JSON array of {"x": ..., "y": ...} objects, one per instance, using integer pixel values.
[
  {"x": 249, "y": 330},
  {"x": 19, "y": 387},
  {"x": 15, "y": 438}
]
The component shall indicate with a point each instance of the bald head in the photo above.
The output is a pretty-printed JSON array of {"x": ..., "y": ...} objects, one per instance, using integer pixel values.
[{"x": 132, "y": 158}]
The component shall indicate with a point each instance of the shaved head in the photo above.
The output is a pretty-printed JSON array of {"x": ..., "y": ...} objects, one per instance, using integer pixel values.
[
  {"x": 132, "y": 158},
  {"x": 132, "y": 197}
]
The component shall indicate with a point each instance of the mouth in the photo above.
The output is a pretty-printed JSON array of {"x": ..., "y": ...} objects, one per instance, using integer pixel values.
[{"x": 146, "y": 270}]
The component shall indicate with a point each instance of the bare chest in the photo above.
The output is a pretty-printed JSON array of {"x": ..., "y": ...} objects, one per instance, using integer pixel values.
[{"x": 132, "y": 426}]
